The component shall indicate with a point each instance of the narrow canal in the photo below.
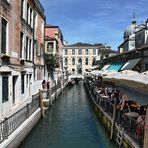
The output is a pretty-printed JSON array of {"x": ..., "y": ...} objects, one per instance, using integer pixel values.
[{"x": 70, "y": 123}]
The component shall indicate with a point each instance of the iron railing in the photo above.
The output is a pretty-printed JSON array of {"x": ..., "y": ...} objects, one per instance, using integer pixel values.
[
  {"x": 10, "y": 124},
  {"x": 127, "y": 123}
]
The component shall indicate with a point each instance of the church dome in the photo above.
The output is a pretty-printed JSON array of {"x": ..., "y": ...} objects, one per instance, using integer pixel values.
[{"x": 130, "y": 29}]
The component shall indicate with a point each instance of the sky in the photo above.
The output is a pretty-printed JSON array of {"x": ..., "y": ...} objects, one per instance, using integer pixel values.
[{"x": 94, "y": 21}]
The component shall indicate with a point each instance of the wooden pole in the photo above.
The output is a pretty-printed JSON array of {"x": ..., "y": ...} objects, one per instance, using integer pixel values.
[
  {"x": 146, "y": 131},
  {"x": 113, "y": 120},
  {"x": 41, "y": 104}
]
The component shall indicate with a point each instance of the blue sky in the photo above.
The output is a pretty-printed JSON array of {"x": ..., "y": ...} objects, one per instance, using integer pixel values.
[{"x": 94, "y": 21}]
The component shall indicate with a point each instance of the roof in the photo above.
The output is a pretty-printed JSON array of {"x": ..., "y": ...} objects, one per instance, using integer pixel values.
[
  {"x": 79, "y": 44},
  {"x": 51, "y": 26},
  {"x": 107, "y": 51}
]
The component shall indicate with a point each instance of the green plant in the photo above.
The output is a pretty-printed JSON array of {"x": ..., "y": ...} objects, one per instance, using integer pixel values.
[{"x": 51, "y": 61}]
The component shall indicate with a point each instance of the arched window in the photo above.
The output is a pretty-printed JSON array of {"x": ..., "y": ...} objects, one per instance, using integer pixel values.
[
  {"x": 86, "y": 61},
  {"x": 73, "y": 51},
  {"x": 94, "y": 61},
  {"x": 80, "y": 51},
  {"x": 80, "y": 61},
  {"x": 94, "y": 51},
  {"x": 66, "y": 61},
  {"x": 66, "y": 52},
  {"x": 73, "y": 61},
  {"x": 86, "y": 51}
]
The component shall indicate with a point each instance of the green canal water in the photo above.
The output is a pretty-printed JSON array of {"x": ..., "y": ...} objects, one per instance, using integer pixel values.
[{"x": 70, "y": 123}]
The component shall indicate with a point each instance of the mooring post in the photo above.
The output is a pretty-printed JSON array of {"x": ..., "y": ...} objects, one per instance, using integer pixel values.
[
  {"x": 41, "y": 104},
  {"x": 113, "y": 120},
  {"x": 146, "y": 131}
]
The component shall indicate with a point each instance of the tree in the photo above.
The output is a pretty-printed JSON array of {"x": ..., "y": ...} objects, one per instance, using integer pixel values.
[{"x": 51, "y": 62}]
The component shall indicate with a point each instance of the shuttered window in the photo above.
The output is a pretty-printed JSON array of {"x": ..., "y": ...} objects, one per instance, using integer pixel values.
[
  {"x": 4, "y": 35},
  {"x": 5, "y": 88}
]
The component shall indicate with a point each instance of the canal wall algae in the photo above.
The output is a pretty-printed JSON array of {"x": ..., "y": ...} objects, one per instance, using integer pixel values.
[{"x": 119, "y": 136}]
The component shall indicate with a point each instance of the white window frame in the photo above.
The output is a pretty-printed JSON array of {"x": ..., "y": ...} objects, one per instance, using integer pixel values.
[{"x": 7, "y": 34}]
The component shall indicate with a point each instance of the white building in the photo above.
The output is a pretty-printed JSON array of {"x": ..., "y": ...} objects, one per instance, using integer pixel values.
[{"x": 134, "y": 37}]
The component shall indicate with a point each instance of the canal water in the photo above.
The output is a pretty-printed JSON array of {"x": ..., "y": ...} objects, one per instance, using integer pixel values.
[{"x": 70, "y": 123}]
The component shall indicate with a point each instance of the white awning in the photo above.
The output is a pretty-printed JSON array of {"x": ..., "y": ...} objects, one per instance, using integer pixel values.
[
  {"x": 96, "y": 72},
  {"x": 105, "y": 67},
  {"x": 133, "y": 80}
]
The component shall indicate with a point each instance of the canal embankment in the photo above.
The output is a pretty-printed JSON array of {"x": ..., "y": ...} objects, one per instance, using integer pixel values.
[
  {"x": 14, "y": 128},
  {"x": 70, "y": 123},
  {"x": 124, "y": 134}
]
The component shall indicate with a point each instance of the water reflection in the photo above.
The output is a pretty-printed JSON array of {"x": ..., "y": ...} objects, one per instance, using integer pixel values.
[{"x": 70, "y": 123}]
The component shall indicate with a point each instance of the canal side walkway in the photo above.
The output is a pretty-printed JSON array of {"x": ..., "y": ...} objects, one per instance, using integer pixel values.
[{"x": 15, "y": 128}]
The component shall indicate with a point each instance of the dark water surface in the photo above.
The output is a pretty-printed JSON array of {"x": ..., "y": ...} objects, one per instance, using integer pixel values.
[{"x": 70, "y": 123}]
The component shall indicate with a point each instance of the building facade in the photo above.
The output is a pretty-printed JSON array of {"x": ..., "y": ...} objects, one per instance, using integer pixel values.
[
  {"x": 18, "y": 59},
  {"x": 54, "y": 45},
  {"x": 135, "y": 36},
  {"x": 80, "y": 57}
]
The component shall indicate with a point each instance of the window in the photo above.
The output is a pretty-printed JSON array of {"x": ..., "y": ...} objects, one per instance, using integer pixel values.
[
  {"x": 86, "y": 51},
  {"x": 80, "y": 51},
  {"x": 146, "y": 67},
  {"x": 80, "y": 61},
  {"x": 27, "y": 47},
  {"x": 30, "y": 49},
  {"x": 34, "y": 70},
  {"x": 86, "y": 61},
  {"x": 49, "y": 47},
  {"x": 22, "y": 8},
  {"x": 66, "y": 52},
  {"x": 73, "y": 61},
  {"x": 4, "y": 36},
  {"x": 94, "y": 51},
  {"x": 21, "y": 44},
  {"x": 22, "y": 83},
  {"x": 73, "y": 51},
  {"x": 94, "y": 61},
  {"x": 31, "y": 20},
  {"x": 66, "y": 61},
  {"x": 27, "y": 13},
  {"x": 27, "y": 81},
  {"x": 5, "y": 88}
]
